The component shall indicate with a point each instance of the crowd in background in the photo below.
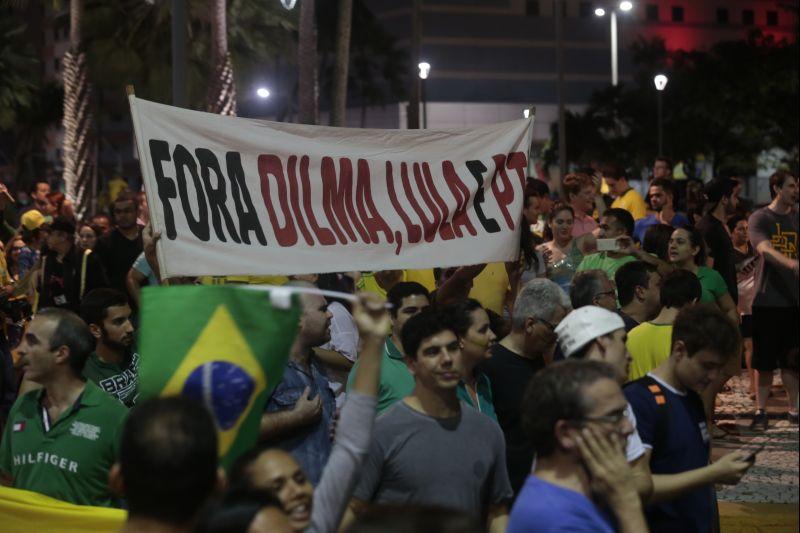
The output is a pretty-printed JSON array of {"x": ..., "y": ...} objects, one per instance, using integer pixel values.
[{"x": 573, "y": 388}]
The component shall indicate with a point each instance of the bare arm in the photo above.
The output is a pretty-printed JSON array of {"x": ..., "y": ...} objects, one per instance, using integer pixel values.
[
  {"x": 333, "y": 358},
  {"x": 497, "y": 518},
  {"x": 133, "y": 282},
  {"x": 626, "y": 246},
  {"x": 458, "y": 285},
  {"x": 642, "y": 478},
  {"x": 279, "y": 423},
  {"x": 726, "y": 305},
  {"x": 729, "y": 469},
  {"x": 773, "y": 256},
  {"x": 355, "y": 508}
]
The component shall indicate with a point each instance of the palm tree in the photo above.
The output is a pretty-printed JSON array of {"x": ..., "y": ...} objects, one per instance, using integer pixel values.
[
  {"x": 221, "y": 97},
  {"x": 79, "y": 146},
  {"x": 307, "y": 65},
  {"x": 345, "y": 22}
]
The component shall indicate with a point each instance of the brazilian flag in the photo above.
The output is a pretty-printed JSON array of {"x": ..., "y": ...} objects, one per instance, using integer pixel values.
[{"x": 224, "y": 345}]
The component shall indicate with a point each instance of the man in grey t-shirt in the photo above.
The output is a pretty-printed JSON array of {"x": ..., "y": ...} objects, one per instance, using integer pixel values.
[
  {"x": 429, "y": 450},
  {"x": 773, "y": 232}
]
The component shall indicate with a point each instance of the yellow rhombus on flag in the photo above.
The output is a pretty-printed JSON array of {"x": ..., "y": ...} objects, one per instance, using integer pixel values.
[{"x": 223, "y": 345}]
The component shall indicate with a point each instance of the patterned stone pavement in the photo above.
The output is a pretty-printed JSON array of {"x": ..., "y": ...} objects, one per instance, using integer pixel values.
[{"x": 774, "y": 477}]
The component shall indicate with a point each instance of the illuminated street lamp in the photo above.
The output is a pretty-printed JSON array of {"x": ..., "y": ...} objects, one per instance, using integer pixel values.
[
  {"x": 262, "y": 92},
  {"x": 424, "y": 72},
  {"x": 600, "y": 12},
  {"x": 660, "y": 81}
]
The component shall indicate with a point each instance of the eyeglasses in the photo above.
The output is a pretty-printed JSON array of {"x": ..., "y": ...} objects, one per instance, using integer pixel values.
[
  {"x": 605, "y": 293},
  {"x": 546, "y": 323}
]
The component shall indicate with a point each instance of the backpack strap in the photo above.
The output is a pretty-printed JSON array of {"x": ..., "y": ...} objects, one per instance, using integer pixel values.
[{"x": 662, "y": 410}]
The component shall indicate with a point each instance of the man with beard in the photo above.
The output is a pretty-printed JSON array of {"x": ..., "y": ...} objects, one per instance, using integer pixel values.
[
  {"x": 722, "y": 202},
  {"x": 662, "y": 200},
  {"x": 113, "y": 365},
  {"x": 299, "y": 415},
  {"x": 539, "y": 308}
]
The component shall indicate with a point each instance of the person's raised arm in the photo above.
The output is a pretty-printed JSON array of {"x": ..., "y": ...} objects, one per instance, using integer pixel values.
[
  {"x": 373, "y": 322},
  {"x": 626, "y": 246}
]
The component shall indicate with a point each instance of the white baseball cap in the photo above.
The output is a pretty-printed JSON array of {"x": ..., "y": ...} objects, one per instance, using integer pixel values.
[{"x": 585, "y": 324}]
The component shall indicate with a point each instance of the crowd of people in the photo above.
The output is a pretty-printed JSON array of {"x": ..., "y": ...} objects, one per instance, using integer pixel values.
[{"x": 573, "y": 389}]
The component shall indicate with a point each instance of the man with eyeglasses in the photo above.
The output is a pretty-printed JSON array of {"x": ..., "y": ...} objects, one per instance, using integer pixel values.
[
  {"x": 540, "y": 306},
  {"x": 592, "y": 287},
  {"x": 574, "y": 417},
  {"x": 120, "y": 248},
  {"x": 595, "y": 334},
  {"x": 429, "y": 448},
  {"x": 672, "y": 423}
]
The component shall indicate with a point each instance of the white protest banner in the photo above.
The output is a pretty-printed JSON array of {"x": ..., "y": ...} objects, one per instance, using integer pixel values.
[{"x": 235, "y": 196}]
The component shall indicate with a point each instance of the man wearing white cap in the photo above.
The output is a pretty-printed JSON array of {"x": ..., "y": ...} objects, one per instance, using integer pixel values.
[{"x": 594, "y": 333}]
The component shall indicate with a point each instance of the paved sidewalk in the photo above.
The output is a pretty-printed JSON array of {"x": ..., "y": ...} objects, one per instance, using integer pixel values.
[{"x": 774, "y": 477}]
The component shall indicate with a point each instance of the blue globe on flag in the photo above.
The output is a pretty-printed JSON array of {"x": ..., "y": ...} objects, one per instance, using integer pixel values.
[{"x": 224, "y": 387}]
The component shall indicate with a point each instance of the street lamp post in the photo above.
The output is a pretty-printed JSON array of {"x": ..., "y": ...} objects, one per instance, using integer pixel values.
[
  {"x": 660, "y": 82},
  {"x": 424, "y": 71},
  {"x": 624, "y": 6}
]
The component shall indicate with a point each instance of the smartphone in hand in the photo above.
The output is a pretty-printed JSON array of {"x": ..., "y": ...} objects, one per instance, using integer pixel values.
[{"x": 607, "y": 245}]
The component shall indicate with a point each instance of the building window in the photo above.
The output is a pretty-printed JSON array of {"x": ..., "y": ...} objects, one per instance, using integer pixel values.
[
  {"x": 677, "y": 14},
  {"x": 585, "y": 10},
  {"x": 772, "y": 18},
  {"x": 532, "y": 8},
  {"x": 722, "y": 15},
  {"x": 651, "y": 12},
  {"x": 748, "y": 17}
]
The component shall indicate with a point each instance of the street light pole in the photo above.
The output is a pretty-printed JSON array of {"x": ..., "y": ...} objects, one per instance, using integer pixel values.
[
  {"x": 562, "y": 123},
  {"x": 614, "y": 65},
  {"x": 424, "y": 71},
  {"x": 179, "y": 53}
]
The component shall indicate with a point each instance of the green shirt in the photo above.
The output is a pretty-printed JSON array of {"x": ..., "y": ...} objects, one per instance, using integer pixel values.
[
  {"x": 396, "y": 380},
  {"x": 120, "y": 381},
  {"x": 712, "y": 283},
  {"x": 71, "y": 460},
  {"x": 606, "y": 263},
  {"x": 483, "y": 388}
]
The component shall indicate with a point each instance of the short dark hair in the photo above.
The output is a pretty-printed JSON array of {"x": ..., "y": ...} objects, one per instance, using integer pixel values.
[
  {"x": 71, "y": 332},
  {"x": 613, "y": 171},
  {"x": 540, "y": 187},
  {"x": 557, "y": 393},
  {"x": 777, "y": 179},
  {"x": 665, "y": 159},
  {"x": 95, "y": 304},
  {"x": 168, "y": 459},
  {"x": 664, "y": 183},
  {"x": 530, "y": 191},
  {"x": 126, "y": 195},
  {"x": 623, "y": 218},
  {"x": 735, "y": 219},
  {"x": 679, "y": 289},
  {"x": 458, "y": 316},
  {"x": 403, "y": 290},
  {"x": 704, "y": 327},
  {"x": 585, "y": 287},
  {"x": 629, "y": 276},
  {"x": 419, "y": 327},
  {"x": 656, "y": 240}
]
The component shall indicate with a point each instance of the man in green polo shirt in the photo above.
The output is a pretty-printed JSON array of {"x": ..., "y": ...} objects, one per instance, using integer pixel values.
[
  {"x": 113, "y": 366},
  {"x": 61, "y": 440},
  {"x": 618, "y": 224},
  {"x": 407, "y": 299}
]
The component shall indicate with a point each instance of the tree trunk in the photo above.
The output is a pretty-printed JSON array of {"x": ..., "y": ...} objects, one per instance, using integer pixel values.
[
  {"x": 339, "y": 105},
  {"x": 79, "y": 147},
  {"x": 221, "y": 96},
  {"x": 307, "y": 64}
]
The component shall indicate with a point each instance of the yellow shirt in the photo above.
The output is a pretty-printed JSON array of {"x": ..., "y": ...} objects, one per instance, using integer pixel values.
[
  {"x": 633, "y": 203},
  {"x": 424, "y": 277},
  {"x": 490, "y": 287},
  {"x": 649, "y": 345}
]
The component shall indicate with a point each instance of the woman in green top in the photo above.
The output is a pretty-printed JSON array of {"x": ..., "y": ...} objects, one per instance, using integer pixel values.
[
  {"x": 470, "y": 323},
  {"x": 687, "y": 251}
]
